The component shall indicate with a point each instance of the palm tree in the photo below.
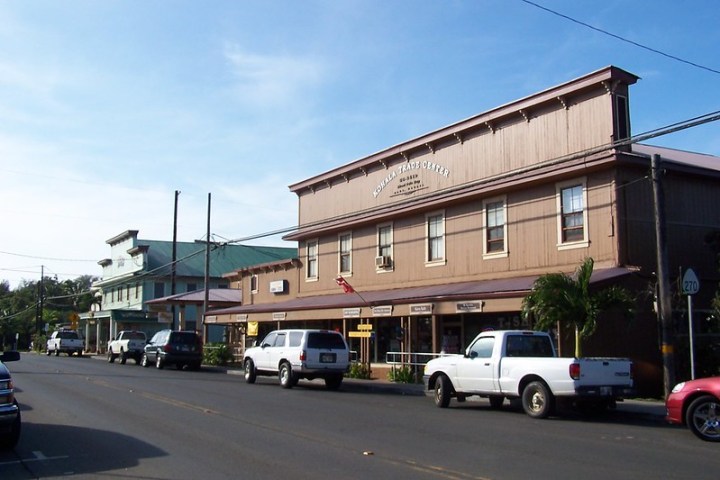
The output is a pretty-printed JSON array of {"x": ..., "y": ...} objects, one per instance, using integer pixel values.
[{"x": 559, "y": 299}]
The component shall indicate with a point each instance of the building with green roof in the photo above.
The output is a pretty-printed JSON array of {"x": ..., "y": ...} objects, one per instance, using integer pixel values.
[{"x": 139, "y": 271}]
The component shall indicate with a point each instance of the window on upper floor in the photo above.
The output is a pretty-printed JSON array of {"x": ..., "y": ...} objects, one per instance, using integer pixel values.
[
  {"x": 311, "y": 260},
  {"x": 137, "y": 291},
  {"x": 159, "y": 290},
  {"x": 571, "y": 200},
  {"x": 435, "y": 237},
  {"x": 495, "y": 231},
  {"x": 345, "y": 253},
  {"x": 254, "y": 284},
  {"x": 384, "y": 258},
  {"x": 622, "y": 117},
  {"x": 120, "y": 294}
]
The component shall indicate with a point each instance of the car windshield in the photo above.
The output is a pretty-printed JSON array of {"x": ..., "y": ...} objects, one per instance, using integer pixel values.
[
  {"x": 68, "y": 335},
  {"x": 325, "y": 340}
]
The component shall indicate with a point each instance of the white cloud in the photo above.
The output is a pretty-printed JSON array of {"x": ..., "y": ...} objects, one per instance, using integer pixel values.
[{"x": 272, "y": 80}]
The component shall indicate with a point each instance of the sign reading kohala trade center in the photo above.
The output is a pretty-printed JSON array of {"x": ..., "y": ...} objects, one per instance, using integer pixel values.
[{"x": 409, "y": 177}]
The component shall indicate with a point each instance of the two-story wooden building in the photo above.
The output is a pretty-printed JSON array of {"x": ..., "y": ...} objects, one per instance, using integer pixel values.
[{"x": 443, "y": 235}]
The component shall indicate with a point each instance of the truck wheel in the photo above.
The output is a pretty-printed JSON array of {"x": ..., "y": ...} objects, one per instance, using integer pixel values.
[
  {"x": 123, "y": 357},
  {"x": 79, "y": 353},
  {"x": 111, "y": 357},
  {"x": 286, "y": 376},
  {"x": 47, "y": 352},
  {"x": 537, "y": 401},
  {"x": 702, "y": 418},
  {"x": 57, "y": 352},
  {"x": 250, "y": 374},
  {"x": 442, "y": 391}
]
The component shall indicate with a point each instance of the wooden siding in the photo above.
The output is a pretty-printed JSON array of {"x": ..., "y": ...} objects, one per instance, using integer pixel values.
[{"x": 514, "y": 145}]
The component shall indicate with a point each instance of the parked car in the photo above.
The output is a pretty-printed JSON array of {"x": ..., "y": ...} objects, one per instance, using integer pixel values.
[
  {"x": 696, "y": 404},
  {"x": 65, "y": 341},
  {"x": 127, "y": 344},
  {"x": 523, "y": 364},
  {"x": 296, "y": 354},
  {"x": 173, "y": 347},
  {"x": 10, "y": 421}
]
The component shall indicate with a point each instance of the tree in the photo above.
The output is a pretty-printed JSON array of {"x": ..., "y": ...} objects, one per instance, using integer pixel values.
[{"x": 557, "y": 299}]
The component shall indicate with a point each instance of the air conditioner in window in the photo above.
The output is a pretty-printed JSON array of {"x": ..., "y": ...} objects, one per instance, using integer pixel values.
[{"x": 382, "y": 261}]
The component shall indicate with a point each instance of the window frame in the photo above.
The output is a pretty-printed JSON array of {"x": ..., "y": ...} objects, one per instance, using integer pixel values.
[
  {"x": 441, "y": 259},
  {"x": 382, "y": 249},
  {"x": 311, "y": 260},
  {"x": 487, "y": 227},
  {"x": 345, "y": 254},
  {"x": 560, "y": 188},
  {"x": 254, "y": 283}
]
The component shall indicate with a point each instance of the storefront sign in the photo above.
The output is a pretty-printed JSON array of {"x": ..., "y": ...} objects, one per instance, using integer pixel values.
[
  {"x": 421, "y": 309},
  {"x": 467, "y": 307},
  {"x": 408, "y": 177},
  {"x": 278, "y": 316},
  {"x": 365, "y": 326},
  {"x": 211, "y": 319},
  {"x": 360, "y": 334},
  {"x": 351, "y": 312},
  {"x": 382, "y": 311},
  {"x": 252, "y": 329},
  {"x": 278, "y": 286},
  {"x": 241, "y": 317}
]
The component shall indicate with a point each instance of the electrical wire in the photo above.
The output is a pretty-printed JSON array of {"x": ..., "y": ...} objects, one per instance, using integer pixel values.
[{"x": 618, "y": 37}]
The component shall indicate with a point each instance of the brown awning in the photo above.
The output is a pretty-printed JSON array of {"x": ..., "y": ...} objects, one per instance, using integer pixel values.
[
  {"x": 217, "y": 297},
  {"x": 509, "y": 287}
]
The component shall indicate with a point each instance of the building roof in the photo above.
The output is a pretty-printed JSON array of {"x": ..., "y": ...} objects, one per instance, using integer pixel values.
[
  {"x": 680, "y": 158},
  {"x": 218, "y": 297},
  {"x": 224, "y": 258},
  {"x": 510, "y": 287}
]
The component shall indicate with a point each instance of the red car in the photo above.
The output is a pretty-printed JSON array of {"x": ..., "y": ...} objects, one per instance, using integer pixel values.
[{"x": 696, "y": 403}]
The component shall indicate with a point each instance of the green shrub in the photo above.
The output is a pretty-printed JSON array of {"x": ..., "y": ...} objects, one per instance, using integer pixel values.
[
  {"x": 404, "y": 374},
  {"x": 217, "y": 354},
  {"x": 358, "y": 370}
]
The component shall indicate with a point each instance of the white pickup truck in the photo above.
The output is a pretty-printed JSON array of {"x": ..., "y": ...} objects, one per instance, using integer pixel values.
[
  {"x": 65, "y": 341},
  {"x": 523, "y": 364},
  {"x": 127, "y": 344}
]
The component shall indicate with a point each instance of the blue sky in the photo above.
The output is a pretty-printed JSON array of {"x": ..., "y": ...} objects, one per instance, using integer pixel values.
[{"x": 108, "y": 107}]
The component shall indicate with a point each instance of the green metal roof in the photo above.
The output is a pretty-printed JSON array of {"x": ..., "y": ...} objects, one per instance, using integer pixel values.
[{"x": 223, "y": 258}]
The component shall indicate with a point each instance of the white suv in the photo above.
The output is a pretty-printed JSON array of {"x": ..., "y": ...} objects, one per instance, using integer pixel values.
[{"x": 296, "y": 354}]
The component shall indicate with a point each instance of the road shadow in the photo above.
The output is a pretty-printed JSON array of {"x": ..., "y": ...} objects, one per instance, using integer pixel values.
[{"x": 46, "y": 451}]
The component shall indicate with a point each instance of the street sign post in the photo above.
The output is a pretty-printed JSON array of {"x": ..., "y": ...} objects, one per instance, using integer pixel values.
[{"x": 690, "y": 286}]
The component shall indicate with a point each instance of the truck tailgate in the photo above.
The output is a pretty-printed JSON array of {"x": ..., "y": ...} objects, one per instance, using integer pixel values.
[{"x": 605, "y": 371}]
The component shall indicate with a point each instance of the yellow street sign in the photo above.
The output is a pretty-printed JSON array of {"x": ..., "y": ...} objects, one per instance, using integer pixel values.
[
  {"x": 365, "y": 326},
  {"x": 360, "y": 334}
]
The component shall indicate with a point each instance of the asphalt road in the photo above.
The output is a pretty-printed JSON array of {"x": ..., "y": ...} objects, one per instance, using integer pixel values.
[{"x": 85, "y": 418}]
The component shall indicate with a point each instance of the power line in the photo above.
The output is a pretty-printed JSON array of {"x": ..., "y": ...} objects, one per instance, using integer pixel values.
[
  {"x": 47, "y": 258},
  {"x": 623, "y": 39}
]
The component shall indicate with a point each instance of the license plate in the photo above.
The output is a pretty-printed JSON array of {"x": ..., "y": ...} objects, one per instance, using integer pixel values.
[{"x": 327, "y": 358}]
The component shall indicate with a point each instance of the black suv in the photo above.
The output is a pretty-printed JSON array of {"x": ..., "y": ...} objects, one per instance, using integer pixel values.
[{"x": 170, "y": 347}]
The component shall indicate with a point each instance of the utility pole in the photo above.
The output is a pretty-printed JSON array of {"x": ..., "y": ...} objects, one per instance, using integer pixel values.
[
  {"x": 206, "y": 300},
  {"x": 174, "y": 257},
  {"x": 664, "y": 305},
  {"x": 41, "y": 301}
]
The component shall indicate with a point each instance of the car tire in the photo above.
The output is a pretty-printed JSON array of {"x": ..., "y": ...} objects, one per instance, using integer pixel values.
[
  {"x": 443, "y": 387},
  {"x": 111, "y": 357},
  {"x": 123, "y": 358},
  {"x": 286, "y": 376},
  {"x": 144, "y": 361},
  {"x": 57, "y": 352},
  {"x": 702, "y": 418},
  {"x": 159, "y": 364},
  {"x": 13, "y": 436},
  {"x": 47, "y": 352},
  {"x": 333, "y": 382},
  {"x": 79, "y": 353},
  {"x": 250, "y": 373},
  {"x": 537, "y": 400}
]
